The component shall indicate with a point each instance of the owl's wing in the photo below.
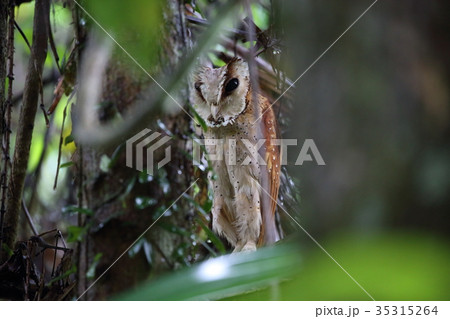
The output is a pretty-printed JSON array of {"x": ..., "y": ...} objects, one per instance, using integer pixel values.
[{"x": 270, "y": 177}]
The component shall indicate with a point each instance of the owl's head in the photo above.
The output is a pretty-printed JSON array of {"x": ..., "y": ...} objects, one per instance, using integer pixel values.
[{"x": 219, "y": 95}]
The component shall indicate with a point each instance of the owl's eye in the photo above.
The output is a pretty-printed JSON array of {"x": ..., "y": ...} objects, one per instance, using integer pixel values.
[
  {"x": 232, "y": 85},
  {"x": 197, "y": 85}
]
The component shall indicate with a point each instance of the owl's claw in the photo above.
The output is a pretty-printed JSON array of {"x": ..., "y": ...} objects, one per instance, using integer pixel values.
[
  {"x": 238, "y": 247},
  {"x": 247, "y": 247}
]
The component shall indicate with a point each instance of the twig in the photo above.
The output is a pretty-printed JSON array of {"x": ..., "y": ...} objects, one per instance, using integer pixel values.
[
  {"x": 48, "y": 232},
  {"x": 49, "y": 79},
  {"x": 23, "y": 35},
  {"x": 205, "y": 23},
  {"x": 62, "y": 238},
  {"x": 54, "y": 256},
  {"x": 30, "y": 220},
  {"x": 53, "y": 46},
  {"x": 44, "y": 245},
  {"x": 61, "y": 140}
]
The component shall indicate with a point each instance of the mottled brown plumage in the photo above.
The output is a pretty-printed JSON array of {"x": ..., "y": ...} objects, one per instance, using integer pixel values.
[{"x": 242, "y": 212}]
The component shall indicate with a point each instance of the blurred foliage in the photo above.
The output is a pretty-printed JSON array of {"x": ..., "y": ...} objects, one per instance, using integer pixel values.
[
  {"x": 394, "y": 266},
  {"x": 390, "y": 266},
  {"x": 136, "y": 26},
  {"x": 222, "y": 276}
]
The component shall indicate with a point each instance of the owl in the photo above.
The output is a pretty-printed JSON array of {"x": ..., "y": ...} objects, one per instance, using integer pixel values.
[{"x": 245, "y": 189}]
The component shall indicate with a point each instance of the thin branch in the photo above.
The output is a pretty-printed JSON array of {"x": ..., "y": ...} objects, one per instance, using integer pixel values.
[
  {"x": 53, "y": 46},
  {"x": 23, "y": 35},
  {"x": 206, "y": 23},
  {"x": 28, "y": 216},
  {"x": 26, "y": 120},
  {"x": 61, "y": 140},
  {"x": 7, "y": 129},
  {"x": 51, "y": 78}
]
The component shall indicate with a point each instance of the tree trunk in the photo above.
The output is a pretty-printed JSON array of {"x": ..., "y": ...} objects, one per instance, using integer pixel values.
[
  {"x": 3, "y": 54},
  {"x": 3, "y": 57},
  {"x": 26, "y": 120},
  {"x": 116, "y": 222}
]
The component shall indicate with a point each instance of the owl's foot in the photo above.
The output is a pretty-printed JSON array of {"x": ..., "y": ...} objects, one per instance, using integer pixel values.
[
  {"x": 238, "y": 247},
  {"x": 247, "y": 247}
]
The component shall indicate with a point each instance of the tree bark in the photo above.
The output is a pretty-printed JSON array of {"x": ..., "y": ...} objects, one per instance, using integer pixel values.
[
  {"x": 3, "y": 57},
  {"x": 26, "y": 120},
  {"x": 116, "y": 222}
]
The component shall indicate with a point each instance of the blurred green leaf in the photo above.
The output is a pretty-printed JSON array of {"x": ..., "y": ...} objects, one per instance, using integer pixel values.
[
  {"x": 142, "y": 202},
  {"x": 144, "y": 177},
  {"x": 196, "y": 204},
  {"x": 72, "y": 270},
  {"x": 401, "y": 266},
  {"x": 222, "y": 276},
  {"x": 67, "y": 164},
  {"x": 174, "y": 229},
  {"x": 37, "y": 147},
  {"x": 199, "y": 119},
  {"x": 7, "y": 250},
  {"x": 76, "y": 233},
  {"x": 105, "y": 163},
  {"x": 144, "y": 245},
  {"x": 76, "y": 209},
  {"x": 212, "y": 236},
  {"x": 260, "y": 16},
  {"x": 90, "y": 274},
  {"x": 69, "y": 139},
  {"x": 135, "y": 25}
]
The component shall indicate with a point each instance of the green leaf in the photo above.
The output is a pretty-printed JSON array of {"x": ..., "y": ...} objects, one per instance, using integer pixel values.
[
  {"x": 212, "y": 236},
  {"x": 199, "y": 119},
  {"x": 142, "y": 202},
  {"x": 7, "y": 250},
  {"x": 383, "y": 264},
  {"x": 222, "y": 276},
  {"x": 69, "y": 139},
  {"x": 135, "y": 25},
  {"x": 67, "y": 164},
  {"x": 76, "y": 209},
  {"x": 145, "y": 178},
  {"x": 72, "y": 270},
  {"x": 174, "y": 229},
  {"x": 90, "y": 274},
  {"x": 195, "y": 203},
  {"x": 146, "y": 246},
  {"x": 105, "y": 163},
  {"x": 260, "y": 16},
  {"x": 76, "y": 233}
]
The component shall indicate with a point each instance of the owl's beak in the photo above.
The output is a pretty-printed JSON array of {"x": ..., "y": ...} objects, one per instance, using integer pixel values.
[{"x": 215, "y": 111}]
